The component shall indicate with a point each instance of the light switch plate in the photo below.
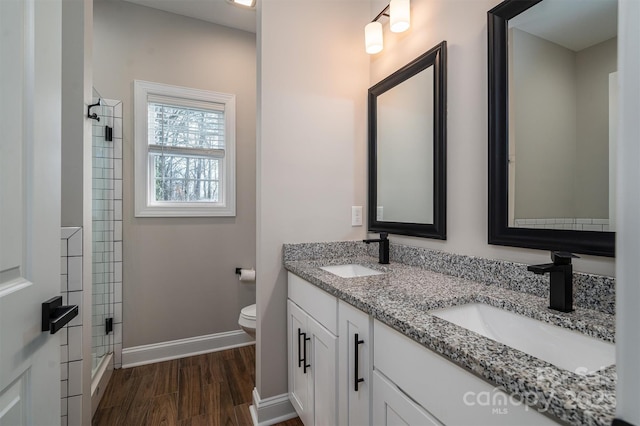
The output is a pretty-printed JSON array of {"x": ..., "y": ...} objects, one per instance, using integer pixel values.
[{"x": 356, "y": 215}]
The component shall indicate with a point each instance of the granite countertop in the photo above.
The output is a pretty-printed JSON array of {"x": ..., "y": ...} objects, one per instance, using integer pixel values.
[{"x": 402, "y": 297}]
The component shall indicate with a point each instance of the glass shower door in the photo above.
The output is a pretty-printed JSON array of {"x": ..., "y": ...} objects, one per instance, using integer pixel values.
[{"x": 103, "y": 233}]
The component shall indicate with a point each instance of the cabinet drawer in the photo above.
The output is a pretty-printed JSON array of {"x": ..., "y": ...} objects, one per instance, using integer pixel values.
[
  {"x": 316, "y": 302},
  {"x": 453, "y": 395}
]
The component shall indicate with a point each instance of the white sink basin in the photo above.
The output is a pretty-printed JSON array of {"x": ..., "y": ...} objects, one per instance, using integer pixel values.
[
  {"x": 350, "y": 271},
  {"x": 559, "y": 346}
]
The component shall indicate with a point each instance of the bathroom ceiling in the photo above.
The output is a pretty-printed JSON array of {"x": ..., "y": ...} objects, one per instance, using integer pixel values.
[{"x": 218, "y": 12}]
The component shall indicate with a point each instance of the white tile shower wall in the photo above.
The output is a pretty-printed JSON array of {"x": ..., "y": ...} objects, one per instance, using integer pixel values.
[
  {"x": 581, "y": 224},
  {"x": 71, "y": 288}
]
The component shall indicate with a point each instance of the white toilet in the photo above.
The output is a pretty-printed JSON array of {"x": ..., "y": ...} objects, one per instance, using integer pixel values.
[{"x": 247, "y": 320}]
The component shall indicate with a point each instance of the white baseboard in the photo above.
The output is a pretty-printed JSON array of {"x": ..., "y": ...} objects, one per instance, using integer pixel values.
[
  {"x": 269, "y": 411},
  {"x": 174, "y": 349}
]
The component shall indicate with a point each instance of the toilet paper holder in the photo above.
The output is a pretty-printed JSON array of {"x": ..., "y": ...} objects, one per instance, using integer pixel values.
[{"x": 238, "y": 271}]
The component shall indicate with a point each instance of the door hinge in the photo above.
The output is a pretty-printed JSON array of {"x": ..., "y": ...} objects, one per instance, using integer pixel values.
[{"x": 108, "y": 325}]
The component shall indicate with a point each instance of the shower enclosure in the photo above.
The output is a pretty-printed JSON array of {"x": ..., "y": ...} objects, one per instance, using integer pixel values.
[{"x": 107, "y": 229}]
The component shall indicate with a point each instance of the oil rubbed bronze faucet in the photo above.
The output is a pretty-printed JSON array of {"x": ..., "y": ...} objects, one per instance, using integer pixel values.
[
  {"x": 561, "y": 280},
  {"x": 383, "y": 254}
]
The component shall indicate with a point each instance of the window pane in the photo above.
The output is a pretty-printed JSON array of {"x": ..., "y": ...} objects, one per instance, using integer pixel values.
[
  {"x": 186, "y": 178},
  {"x": 185, "y": 127}
]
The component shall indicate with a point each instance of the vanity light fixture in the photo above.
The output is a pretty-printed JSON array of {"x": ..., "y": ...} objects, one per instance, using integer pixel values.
[{"x": 398, "y": 12}]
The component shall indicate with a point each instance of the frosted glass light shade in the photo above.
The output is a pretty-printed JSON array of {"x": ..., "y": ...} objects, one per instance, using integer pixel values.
[
  {"x": 246, "y": 3},
  {"x": 373, "y": 37},
  {"x": 399, "y": 15}
]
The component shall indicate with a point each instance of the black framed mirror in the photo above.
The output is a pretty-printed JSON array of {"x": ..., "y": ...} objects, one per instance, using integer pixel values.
[
  {"x": 551, "y": 174},
  {"x": 407, "y": 149}
]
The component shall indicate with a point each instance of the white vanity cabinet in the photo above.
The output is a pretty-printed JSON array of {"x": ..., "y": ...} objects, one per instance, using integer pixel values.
[
  {"x": 312, "y": 352},
  {"x": 332, "y": 347},
  {"x": 354, "y": 365},
  {"x": 329, "y": 376}
]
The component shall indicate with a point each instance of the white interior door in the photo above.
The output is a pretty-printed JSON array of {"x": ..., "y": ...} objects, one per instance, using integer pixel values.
[{"x": 30, "y": 60}]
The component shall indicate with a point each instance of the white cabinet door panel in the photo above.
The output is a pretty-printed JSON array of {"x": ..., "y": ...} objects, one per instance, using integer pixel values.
[
  {"x": 354, "y": 405},
  {"x": 323, "y": 374},
  {"x": 299, "y": 386}
]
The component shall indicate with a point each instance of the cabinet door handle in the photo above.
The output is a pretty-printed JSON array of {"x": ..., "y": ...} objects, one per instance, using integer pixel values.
[
  {"x": 304, "y": 351},
  {"x": 300, "y": 358},
  {"x": 356, "y": 375}
]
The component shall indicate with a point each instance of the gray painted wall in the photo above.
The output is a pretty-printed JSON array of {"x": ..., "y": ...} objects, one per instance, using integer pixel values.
[
  {"x": 76, "y": 95},
  {"x": 593, "y": 66},
  {"x": 545, "y": 127},
  {"x": 561, "y": 120},
  {"x": 179, "y": 273},
  {"x": 311, "y": 150}
]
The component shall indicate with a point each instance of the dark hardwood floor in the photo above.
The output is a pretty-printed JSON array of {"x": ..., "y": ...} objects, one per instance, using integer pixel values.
[{"x": 210, "y": 389}]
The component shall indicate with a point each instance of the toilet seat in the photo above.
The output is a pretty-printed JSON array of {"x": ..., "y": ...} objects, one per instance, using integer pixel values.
[
  {"x": 247, "y": 320},
  {"x": 249, "y": 312}
]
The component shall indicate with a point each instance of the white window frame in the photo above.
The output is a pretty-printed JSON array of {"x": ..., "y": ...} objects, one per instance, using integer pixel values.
[{"x": 145, "y": 206}]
